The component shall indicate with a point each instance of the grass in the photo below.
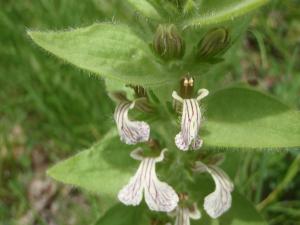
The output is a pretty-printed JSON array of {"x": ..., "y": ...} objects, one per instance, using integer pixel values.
[{"x": 49, "y": 109}]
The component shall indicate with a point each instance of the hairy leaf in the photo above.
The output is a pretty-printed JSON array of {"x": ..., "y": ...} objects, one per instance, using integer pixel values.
[
  {"x": 215, "y": 12},
  {"x": 109, "y": 50},
  {"x": 123, "y": 215},
  {"x": 240, "y": 117},
  {"x": 104, "y": 168},
  {"x": 242, "y": 212},
  {"x": 145, "y": 8}
]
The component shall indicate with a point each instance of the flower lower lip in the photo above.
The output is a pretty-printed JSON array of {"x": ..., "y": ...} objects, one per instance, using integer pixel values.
[{"x": 159, "y": 196}]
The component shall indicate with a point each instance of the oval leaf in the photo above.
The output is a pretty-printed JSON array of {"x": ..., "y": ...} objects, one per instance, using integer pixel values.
[
  {"x": 104, "y": 168},
  {"x": 109, "y": 50},
  {"x": 242, "y": 212},
  {"x": 240, "y": 117}
]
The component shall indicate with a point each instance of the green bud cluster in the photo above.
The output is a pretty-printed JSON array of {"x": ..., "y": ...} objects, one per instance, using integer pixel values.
[
  {"x": 213, "y": 43},
  {"x": 167, "y": 42}
]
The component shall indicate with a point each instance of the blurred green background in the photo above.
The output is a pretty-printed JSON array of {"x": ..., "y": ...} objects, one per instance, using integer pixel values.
[{"x": 50, "y": 110}]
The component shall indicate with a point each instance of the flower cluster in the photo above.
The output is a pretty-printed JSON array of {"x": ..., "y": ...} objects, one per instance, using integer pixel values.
[{"x": 159, "y": 195}]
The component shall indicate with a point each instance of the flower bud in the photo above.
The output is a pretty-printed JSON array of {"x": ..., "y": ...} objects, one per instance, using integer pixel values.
[
  {"x": 168, "y": 43},
  {"x": 213, "y": 43}
]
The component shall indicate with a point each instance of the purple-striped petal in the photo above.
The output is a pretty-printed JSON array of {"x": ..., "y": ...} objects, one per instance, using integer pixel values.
[
  {"x": 219, "y": 201},
  {"x": 188, "y": 137},
  {"x": 131, "y": 132},
  {"x": 159, "y": 196}
]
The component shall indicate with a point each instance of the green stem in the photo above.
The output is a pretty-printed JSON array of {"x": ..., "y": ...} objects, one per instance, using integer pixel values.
[
  {"x": 261, "y": 178},
  {"x": 291, "y": 173},
  {"x": 263, "y": 52}
]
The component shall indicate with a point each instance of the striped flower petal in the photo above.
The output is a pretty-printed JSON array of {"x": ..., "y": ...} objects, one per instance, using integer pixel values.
[
  {"x": 188, "y": 137},
  {"x": 159, "y": 196},
  {"x": 219, "y": 201},
  {"x": 131, "y": 132}
]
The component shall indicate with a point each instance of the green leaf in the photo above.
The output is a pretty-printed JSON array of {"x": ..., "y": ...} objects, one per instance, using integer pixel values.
[
  {"x": 110, "y": 50},
  {"x": 242, "y": 212},
  {"x": 145, "y": 8},
  {"x": 104, "y": 168},
  {"x": 123, "y": 215},
  {"x": 215, "y": 12},
  {"x": 240, "y": 117}
]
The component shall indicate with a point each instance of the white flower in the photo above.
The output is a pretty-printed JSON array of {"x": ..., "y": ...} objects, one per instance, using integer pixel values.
[
  {"x": 159, "y": 196},
  {"x": 131, "y": 132},
  {"x": 219, "y": 201},
  {"x": 184, "y": 214},
  {"x": 190, "y": 121}
]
